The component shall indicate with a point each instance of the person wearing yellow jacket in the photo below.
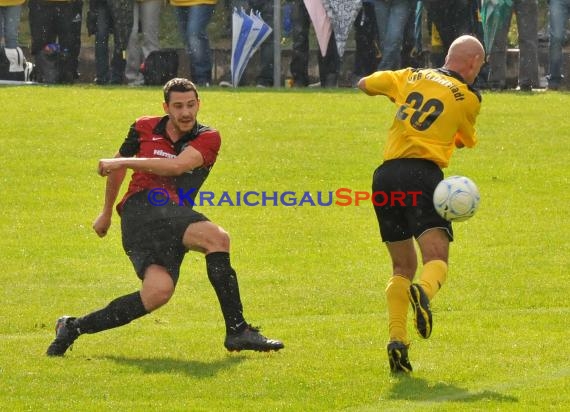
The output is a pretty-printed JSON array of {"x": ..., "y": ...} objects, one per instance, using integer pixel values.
[
  {"x": 10, "y": 11},
  {"x": 193, "y": 18}
]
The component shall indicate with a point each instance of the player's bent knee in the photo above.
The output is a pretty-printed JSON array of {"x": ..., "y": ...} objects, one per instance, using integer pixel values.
[
  {"x": 206, "y": 237},
  {"x": 434, "y": 245},
  {"x": 222, "y": 240},
  {"x": 155, "y": 297},
  {"x": 216, "y": 240}
]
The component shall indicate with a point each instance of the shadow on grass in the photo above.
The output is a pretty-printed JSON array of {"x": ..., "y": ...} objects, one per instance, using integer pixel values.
[
  {"x": 197, "y": 369},
  {"x": 414, "y": 389}
]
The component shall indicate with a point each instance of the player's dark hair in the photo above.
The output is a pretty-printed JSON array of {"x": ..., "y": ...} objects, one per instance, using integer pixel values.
[{"x": 178, "y": 84}]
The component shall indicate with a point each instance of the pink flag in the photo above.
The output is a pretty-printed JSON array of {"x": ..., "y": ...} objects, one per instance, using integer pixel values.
[{"x": 321, "y": 23}]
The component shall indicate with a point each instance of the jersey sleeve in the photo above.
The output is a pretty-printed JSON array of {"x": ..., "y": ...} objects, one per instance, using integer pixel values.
[
  {"x": 467, "y": 134},
  {"x": 386, "y": 83},
  {"x": 130, "y": 146},
  {"x": 208, "y": 144}
]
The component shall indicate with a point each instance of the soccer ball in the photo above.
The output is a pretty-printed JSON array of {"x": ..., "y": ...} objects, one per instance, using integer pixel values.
[{"x": 456, "y": 198}]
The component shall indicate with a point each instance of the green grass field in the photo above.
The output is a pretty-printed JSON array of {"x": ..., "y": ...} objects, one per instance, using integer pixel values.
[{"x": 311, "y": 276}]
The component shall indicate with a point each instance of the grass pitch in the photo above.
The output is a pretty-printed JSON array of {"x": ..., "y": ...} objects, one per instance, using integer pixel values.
[{"x": 309, "y": 275}]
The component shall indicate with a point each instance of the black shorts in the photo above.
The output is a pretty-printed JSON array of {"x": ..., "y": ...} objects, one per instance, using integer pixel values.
[
  {"x": 153, "y": 234},
  {"x": 417, "y": 214}
]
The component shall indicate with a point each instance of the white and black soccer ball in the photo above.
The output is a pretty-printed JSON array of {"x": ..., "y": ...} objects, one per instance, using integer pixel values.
[{"x": 456, "y": 198}]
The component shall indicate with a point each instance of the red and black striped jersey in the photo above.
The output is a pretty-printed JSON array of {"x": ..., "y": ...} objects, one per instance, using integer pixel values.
[{"x": 147, "y": 138}]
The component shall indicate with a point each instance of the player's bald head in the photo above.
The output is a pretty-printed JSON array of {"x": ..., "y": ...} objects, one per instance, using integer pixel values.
[
  {"x": 465, "y": 56},
  {"x": 465, "y": 47}
]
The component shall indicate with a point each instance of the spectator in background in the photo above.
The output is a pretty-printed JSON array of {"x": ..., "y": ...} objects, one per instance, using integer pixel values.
[
  {"x": 100, "y": 24},
  {"x": 329, "y": 65},
  {"x": 451, "y": 18},
  {"x": 476, "y": 25},
  {"x": 10, "y": 12},
  {"x": 106, "y": 17},
  {"x": 193, "y": 18},
  {"x": 55, "y": 28},
  {"x": 559, "y": 14},
  {"x": 391, "y": 19},
  {"x": 367, "y": 49},
  {"x": 527, "y": 22},
  {"x": 476, "y": 21},
  {"x": 412, "y": 47},
  {"x": 146, "y": 22},
  {"x": 436, "y": 55}
]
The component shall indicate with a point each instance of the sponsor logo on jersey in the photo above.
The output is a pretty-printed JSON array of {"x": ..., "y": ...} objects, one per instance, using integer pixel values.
[{"x": 162, "y": 153}]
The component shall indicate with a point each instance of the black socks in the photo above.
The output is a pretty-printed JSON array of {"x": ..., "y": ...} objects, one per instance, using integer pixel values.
[
  {"x": 224, "y": 280},
  {"x": 127, "y": 308},
  {"x": 119, "y": 312}
]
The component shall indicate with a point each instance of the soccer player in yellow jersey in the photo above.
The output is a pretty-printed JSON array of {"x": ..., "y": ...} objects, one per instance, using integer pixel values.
[{"x": 436, "y": 111}]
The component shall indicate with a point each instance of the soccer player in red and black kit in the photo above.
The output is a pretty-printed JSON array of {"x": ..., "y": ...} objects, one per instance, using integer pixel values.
[
  {"x": 436, "y": 112},
  {"x": 173, "y": 153}
]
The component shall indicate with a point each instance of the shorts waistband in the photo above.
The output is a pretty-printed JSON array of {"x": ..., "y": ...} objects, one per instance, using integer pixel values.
[{"x": 415, "y": 160}]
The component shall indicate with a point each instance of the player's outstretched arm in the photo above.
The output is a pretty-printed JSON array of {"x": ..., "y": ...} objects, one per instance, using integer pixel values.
[
  {"x": 114, "y": 181},
  {"x": 381, "y": 83},
  {"x": 189, "y": 159},
  {"x": 362, "y": 86}
]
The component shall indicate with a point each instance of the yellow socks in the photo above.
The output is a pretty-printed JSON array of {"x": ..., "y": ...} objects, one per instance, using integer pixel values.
[
  {"x": 433, "y": 277},
  {"x": 398, "y": 304}
]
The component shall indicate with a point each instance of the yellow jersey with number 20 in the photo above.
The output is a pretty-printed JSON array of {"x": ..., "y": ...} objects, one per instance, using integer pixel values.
[{"x": 436, "y": 109}]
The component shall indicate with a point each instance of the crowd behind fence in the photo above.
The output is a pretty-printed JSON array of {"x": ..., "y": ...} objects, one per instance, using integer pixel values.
[{"x": 113, "y": 42}]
